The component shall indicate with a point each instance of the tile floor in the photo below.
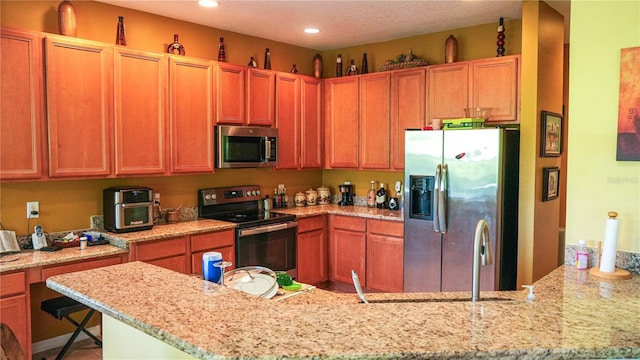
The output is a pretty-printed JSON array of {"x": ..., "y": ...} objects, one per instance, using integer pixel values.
[
  {"x": 88, "y": 350},
  {"x": 81, "y": 350}
]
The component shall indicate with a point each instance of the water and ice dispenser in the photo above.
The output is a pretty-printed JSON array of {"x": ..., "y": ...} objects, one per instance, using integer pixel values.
[{"x": 421, "y": 197}]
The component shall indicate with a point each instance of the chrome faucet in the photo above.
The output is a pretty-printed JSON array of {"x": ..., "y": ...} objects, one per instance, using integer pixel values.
[{"x": 481, "y": 254}]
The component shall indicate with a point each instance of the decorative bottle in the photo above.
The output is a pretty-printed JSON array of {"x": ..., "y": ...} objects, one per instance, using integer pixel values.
[
  {"x": 67, "y": 19},
  {"x": 157, "y": 211},
  {"x": 317, "y": 66},
  {"x": 221, "y": 54},
  {"x": 353, "y": 69},
  {"x": 501, "y": 37},
  {"x": 252, "y": 62},
  {"x": 371, "y": 195},
  {"x": 364, "y": 67},
  {"x": 339, "y": 66},
  {"x": 120, "y": 35},
  {"x": 582, "y": 256},
  {"x": 267, "y": 59},
  {"x": 450, "y": 50},
  {"x": 381, "y": 197},
  {"x": 175, "y": 47},
  {"x": 294, "y": 69}
]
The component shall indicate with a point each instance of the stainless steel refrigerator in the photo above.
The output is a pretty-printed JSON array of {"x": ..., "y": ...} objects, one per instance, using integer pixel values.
[{"x": 466, "y": 175}]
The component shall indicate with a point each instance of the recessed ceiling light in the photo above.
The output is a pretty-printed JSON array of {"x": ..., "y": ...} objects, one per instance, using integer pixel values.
[
  {"x": 208, "y": 3},
  {"x": 311, "y": 30}
]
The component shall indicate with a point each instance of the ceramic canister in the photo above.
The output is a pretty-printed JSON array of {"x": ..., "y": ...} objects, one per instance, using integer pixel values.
[
  {"x": 324, "y": 195},
  {"x": 312, "y": 196},
  {"x": 209, "y": 271},
  {"x": 300, "y": 199}
]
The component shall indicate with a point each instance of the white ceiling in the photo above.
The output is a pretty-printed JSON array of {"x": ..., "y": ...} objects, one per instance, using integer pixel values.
[{"x": 342, "y": 23}]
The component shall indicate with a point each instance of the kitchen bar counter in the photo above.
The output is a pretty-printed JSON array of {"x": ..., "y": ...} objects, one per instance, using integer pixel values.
[{"x": 575, "y": 315}]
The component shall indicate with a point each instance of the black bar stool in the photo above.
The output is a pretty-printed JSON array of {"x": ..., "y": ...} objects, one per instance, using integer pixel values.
[{"x": 62, "y": 307}]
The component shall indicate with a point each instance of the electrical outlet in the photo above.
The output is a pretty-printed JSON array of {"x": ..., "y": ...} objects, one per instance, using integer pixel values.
[{"x": 33, "y": 209}]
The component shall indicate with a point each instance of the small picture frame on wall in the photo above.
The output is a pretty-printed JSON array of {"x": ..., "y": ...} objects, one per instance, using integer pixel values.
[
  {"x": 551, "y": 134},
  {"x": 550, "y": 183}
]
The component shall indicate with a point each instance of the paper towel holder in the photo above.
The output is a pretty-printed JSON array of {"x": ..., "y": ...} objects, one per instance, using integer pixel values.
[{"x": 617, "y": 274}]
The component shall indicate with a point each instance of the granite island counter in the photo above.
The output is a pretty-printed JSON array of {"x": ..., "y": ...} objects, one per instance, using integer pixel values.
[{"x": 574, "y": 316}]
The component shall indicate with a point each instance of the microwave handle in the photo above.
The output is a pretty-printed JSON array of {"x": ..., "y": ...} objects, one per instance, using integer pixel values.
[{"x": 267, "y": 149}]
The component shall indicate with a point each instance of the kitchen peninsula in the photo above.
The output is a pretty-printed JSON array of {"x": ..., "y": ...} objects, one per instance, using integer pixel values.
[{"x": 574, "y": 315}]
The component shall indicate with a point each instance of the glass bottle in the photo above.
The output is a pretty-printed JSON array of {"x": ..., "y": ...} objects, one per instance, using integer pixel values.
[
  {"x": 371, "y": 195},
  {"x": 353, "y": 69},
  {"x": 252, "y": 62},
  {"x": 582, "y": 256},
  {"x": 120, "y": 35},
  {"x": 175, "y": 47},
  {"x": 339, "y": 66},
  {"x": 381, "y": 197},
  {"x": 267, "y": 59},
  {"x": 294, "y": 69},
  {"x": 221, "y": 54},
  {"x": 364, "y": 67}
]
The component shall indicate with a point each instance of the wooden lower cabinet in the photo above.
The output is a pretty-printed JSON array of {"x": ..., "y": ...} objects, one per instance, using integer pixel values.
[
  {"x": 221, "y": 241},
  {"x": 170, "y": 254},
  {"x": 312, "y": 257},
  {"x": 347, "y": 248},
  {"x": 385, "y": 253},
  {"x": 15, "y": 309}
]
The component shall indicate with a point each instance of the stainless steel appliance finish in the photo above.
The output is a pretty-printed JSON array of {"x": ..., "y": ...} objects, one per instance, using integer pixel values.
[
  {"x": 453, "y": 179},
  {"x": 127, "y": 208},
  {"x": 246, "y": 146},
  {"x": 263, "y": 238}
]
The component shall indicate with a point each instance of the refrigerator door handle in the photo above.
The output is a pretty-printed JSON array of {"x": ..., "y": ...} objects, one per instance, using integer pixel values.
[
  {"x": 436, "y": 198},
  {"x": 442, "y": 201}
]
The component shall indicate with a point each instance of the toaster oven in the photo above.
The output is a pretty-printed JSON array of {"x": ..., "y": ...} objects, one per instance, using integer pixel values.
[{"x": 128, "y": 208}]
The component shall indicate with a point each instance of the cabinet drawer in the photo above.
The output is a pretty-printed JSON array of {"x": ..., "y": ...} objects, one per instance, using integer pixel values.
[
  {"x": 161, "y": 249},
  {"x": 13, "y": 284},
  {"x": 212, "y": 240},
  {"x": 312, "y": 223},
  {"x": 383, "y": 227},
  {"x": 84, "y": 265},
  {"x": 348, "y": 223}
]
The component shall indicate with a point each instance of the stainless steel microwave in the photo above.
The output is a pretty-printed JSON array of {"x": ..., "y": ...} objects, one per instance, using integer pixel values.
[{"x": 246, "y": 146}]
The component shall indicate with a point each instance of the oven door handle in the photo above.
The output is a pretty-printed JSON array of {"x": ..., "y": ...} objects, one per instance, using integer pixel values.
[{"x": 267, "y": 228}]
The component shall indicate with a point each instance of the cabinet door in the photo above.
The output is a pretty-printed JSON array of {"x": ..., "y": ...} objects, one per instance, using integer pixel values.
[
  {"x": 495, "y": 83},
  {"x": 169, "y": 253},
  {"x": 375, "y": 122},
  {"x": 341, "y": 122},
  {"x": 347, "y": 249},
  {"x": 313, "y": 259},
  {"x": 79, "y": 80},
  {"x": 288, "y": 120},
  {"x": 385, "y": 262},
  {"x": 311, "y": 123},
  {"x": 221, "y": 241},
  {"x": 408, "y": 102},
  {"x": 140, "y": 82},
  {"x": 13, "y": 311},
  {"x": 21, "y": 105},
  {"x": 448, "y": 91},
  {"x": 191, "y": 100},
  {"x": 230, "y": 94},
  {"x": 260, "y": 97}
]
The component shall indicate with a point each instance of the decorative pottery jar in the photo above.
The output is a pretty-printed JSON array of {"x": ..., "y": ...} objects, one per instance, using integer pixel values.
[
  {"x": 300, "y": 199},
  {"x": 324, "y": 195},
  {"x": 312, "y": 196}
]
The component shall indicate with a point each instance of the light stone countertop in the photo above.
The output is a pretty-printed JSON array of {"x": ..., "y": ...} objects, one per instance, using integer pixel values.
[
  {"x": 34, "y": 258},
  {"x": 357, "y": 211},
  {"x": 575, "y": 315}
]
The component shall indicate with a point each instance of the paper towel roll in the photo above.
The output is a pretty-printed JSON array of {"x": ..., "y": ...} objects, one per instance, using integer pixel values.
[{"x": 608, "y": 260}]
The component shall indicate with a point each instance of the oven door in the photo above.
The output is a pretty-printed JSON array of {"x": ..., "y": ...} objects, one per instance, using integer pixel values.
[{"x": 272, "y": 246}]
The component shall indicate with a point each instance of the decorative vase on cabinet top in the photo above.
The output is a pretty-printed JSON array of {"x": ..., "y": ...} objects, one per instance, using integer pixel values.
[
  {"x": 450, "y": 50},
  {"x": 67, "y": 19}
]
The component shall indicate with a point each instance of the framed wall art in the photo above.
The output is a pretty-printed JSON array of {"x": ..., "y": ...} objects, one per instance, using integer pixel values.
[
  {"x": 550, "y": 183},
  {"x": 628, "y": 148},
  {"x": 551, "y": 134}
]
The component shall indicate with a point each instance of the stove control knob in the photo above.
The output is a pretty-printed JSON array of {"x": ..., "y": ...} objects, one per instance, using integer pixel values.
[
  {"x": 207, "y": 197},
  {"x": 253, "y": 192},
  {"x": 213, "y": 196},
  {"x": 257, "y": 192}
]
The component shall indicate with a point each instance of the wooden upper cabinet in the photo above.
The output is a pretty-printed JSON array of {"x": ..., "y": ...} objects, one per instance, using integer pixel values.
[
  {"x": 79, "y": 81},
  {"x": 21, "y": 105},
  {"x": 311, "y": 123},
  {"x": 191, "y": 97},
  {"x": 230, "y": 93},
  {"x": 260, "y": 97},
  {"x": 448, "y": 91},
  {"x": 140, "y": 82},
  {"x": 341, "y": 122},
  {"x": 408, "y": 103},
  {"x": 288, "y": 120},
  {"x": 495, "y": 83},
  {"x": 375, "y": 122}
]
